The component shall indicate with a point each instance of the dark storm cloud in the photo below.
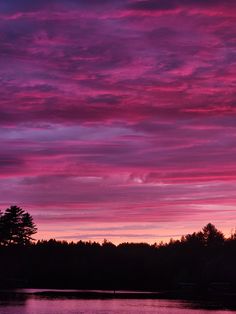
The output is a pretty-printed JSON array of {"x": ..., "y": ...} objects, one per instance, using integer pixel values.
[{"x": 164, "y": 5}]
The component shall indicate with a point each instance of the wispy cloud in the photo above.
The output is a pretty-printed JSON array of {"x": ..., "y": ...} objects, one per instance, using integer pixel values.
[{"x": 115, "y": 111}]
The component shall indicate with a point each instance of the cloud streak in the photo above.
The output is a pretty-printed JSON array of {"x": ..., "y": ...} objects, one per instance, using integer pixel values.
[{"x": 118, "y": 111}]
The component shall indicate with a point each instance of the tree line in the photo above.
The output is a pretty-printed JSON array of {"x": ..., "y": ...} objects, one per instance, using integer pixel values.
[{"x": 198, "y": 259}]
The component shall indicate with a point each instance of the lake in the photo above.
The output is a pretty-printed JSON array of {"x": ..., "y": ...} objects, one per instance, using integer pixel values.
[{"x": 29, "y": 302}]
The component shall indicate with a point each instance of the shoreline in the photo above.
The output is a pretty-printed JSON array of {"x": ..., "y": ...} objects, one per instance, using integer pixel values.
[
  {"x": 120, "y": 294},
  {"x": 212, "y": 301}
]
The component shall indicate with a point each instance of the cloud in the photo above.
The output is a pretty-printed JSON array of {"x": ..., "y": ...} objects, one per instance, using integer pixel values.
[
  {"x": 115, "y": 111},
  {"x": 166, "y": 5}
]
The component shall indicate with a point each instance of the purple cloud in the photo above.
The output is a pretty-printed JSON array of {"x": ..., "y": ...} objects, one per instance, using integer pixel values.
[{"x": 118, "y": 111}]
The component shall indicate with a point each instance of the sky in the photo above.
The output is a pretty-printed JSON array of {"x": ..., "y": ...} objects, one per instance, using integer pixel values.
[{"x": 118, "y": 117}]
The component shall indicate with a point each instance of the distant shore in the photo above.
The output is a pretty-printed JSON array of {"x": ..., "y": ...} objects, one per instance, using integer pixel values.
[{"x": 121, "y": 294}]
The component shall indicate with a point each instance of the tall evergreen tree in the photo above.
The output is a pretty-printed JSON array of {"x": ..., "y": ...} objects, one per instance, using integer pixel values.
[
  {"x": 16, "y": 226},
  {"x": 212, "y": 236}
]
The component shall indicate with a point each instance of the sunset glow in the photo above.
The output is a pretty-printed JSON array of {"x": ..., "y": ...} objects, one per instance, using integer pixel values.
[{"x": 118, "y": 117}]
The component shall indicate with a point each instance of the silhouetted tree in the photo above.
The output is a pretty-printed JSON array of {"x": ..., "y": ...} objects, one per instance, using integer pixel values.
[
  {"x": 194, "y": 240},
  {"x": 16, "y": 226},
  {"x": 198, "y": 260},
  {"x": 212, "y": 236}
]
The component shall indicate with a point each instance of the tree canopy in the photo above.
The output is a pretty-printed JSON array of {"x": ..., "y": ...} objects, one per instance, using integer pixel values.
[
  {"x": 201, "y": 263},
  {"x": 16, "y": 226}
]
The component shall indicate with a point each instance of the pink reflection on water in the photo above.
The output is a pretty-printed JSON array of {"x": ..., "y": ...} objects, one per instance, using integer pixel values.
[{"x": 45, "y": 306}]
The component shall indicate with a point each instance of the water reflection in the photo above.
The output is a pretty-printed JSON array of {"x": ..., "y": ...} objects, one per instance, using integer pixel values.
[{"x": 31, "y": 302}]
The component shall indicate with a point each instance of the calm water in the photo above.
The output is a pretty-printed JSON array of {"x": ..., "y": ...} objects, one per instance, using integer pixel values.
[{"x": 32, "y": 304}]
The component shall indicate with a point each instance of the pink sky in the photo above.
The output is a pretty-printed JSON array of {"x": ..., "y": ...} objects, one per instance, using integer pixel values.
[{"x": 118, "y": 117}]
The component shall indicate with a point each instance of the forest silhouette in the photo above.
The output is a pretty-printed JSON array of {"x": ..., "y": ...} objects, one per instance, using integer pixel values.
[{"x": 202, "y": 260}]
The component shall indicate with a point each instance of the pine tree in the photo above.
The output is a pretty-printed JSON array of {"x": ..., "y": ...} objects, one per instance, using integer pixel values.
[
  {"x": 16, "y": 226},
  {"x": 212, "y": 236}
]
